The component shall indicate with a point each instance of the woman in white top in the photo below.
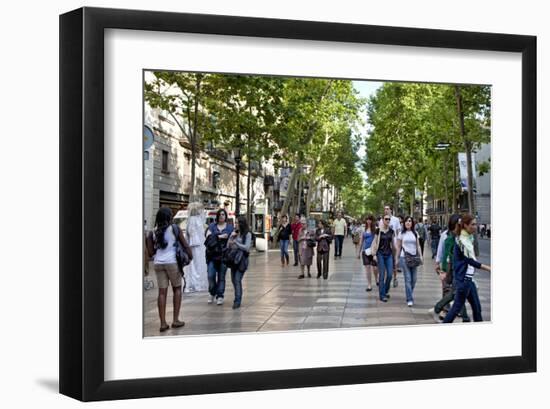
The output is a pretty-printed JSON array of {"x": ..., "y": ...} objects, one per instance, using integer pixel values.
[
  {"x": 161, "y": 246},
  {"x": 196, "y": 272},
  {"x": 407, "y": 241}
]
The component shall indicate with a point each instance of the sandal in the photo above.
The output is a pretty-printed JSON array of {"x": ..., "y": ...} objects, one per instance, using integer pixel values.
[
  {"x": 164, "y": 328},
  {"x": 178, "y": 324}
]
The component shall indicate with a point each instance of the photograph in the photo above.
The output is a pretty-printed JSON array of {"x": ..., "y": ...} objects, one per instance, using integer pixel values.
[{"x": 286, "y": 203}]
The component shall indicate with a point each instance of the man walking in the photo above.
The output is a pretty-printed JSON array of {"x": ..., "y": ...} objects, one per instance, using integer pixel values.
[
  {"x": 435, "y": 232},
  {"x": 395, "y": 224},
  {"x": 340, "y": 229},
  {"x": 295, "y": 227},
  {"x": 422, "y": 233}
]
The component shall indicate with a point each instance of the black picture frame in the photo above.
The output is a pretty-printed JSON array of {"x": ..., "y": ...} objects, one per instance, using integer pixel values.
[{"x": 82, "y": 199}]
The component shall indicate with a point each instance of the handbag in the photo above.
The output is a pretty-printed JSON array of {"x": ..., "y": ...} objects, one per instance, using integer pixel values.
[
  {"x": 368, "y": 252},
  {"x": 412, "y": 260},
  {"x": 182, "y": 256},
  {"x": 311, "y": 243}
]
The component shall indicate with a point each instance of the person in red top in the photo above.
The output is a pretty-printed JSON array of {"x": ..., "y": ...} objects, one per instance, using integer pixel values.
[{"x": 295, "y": 227}]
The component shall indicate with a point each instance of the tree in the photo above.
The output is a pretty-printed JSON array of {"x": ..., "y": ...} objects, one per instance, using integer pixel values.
[{"x": 184, "y": 96}]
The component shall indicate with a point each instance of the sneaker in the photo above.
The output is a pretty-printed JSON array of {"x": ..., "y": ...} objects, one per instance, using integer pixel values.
[
  {"x": 409, "y": 303},
  {"x": 210, "y": 299},
  {"x": 434, "y": 314},
  {"x": 385, "y": 299},
  {"x": 236, "y": 305},
  {"x": 219, "y": 301},
  {"x": 301, "y": 276},
  {"x": 395, "y": 283}
]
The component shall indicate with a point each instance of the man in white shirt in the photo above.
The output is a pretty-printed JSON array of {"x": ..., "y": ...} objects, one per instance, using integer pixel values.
[
  {"x": 395, "y": 224},
  {"x": 340, "y": 230}
]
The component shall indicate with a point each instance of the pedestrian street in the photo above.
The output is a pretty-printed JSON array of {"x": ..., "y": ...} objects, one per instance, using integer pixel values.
[{"x": 274, "y": 299}]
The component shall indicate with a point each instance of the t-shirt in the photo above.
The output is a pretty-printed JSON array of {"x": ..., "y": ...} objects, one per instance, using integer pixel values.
[
  {"x": 408, "y": 242},
  {"x": 166, "y": 255},
  {"x": 368, "y": 237},
  {"x": 435, "y": 231},
  {"x": 395, "y": 224},
  {"x": 384, "y": 245},
  {"x": 296, "y": 227},
  {"x": 339, "y": 227}
]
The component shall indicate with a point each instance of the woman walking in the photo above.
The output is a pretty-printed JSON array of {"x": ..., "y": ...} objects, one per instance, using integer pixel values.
[
  {"x": 161, "y": 245},
  {"x": 383, "y": 250},
  {"x": 365, "y": 250},
  {"x": 240, "y": 239},
  {"x": 196, "y": 272},
  {"x": 464, "y": 265},
  {"x": 323, "y": 237},
  {"x": 216, "y": 240},
  {"x": 283, "y": 235},
  {"x": 410, "y": 256},
  {"x": 305, "y": 238}
]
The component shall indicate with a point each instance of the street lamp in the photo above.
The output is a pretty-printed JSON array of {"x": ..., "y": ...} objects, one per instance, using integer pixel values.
[{"x": 237, "y": 157}]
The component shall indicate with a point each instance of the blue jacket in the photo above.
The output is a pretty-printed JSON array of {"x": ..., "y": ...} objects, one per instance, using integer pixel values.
[{"x": 461, "y": 263}]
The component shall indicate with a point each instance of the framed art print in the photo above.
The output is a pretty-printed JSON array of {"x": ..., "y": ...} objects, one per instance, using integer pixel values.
[{"x": 279, "y": 157}]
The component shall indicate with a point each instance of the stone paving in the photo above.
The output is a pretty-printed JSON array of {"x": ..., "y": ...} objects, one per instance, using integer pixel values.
[{"x": 274, "y": 299}]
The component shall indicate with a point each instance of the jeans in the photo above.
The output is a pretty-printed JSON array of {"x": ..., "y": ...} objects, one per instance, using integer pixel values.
[
  {"x": 447, "y": 298},
  {"x": 322, "y": 264},
  {"x": 237, "y": 278},
  {"x": 434, "y": 243},
  {"x": 465, "y": 290},
  {"x": 216, "y": 278},
  {"x": 421, "y": 245},
  {"x": 410, "y": 274},
  {"x": 338, "y": 244},
  {"x": 295, "y": 248},
  {"x": 284, "y": 248},
  {"x": 385, "y": 271}
]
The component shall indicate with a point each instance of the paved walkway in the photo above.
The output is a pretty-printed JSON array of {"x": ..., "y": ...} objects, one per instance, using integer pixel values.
[{"x": 276, "y": 300}]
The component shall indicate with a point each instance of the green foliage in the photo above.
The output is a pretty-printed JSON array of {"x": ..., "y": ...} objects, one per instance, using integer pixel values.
[{"x": 407, "y": 123}]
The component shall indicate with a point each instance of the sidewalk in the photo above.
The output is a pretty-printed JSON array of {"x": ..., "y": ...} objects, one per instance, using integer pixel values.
[{"x": 275, "y": 300}]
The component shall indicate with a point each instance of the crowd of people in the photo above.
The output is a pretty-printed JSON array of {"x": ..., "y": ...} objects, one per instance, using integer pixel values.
[{"x": 387, "y": 245}]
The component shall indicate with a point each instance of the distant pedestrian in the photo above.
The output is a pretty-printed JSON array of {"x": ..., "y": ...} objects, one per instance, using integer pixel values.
[
  {"x": 306, "y": 246},
  {"x": 435, "y": 232},
  {"x": 465, "y": 263},
  {"x": 422, "y": 232},
  {"x": 339, "y": 231},
  {"x": 358, "y": 230},
  {"x": 408, "y": 245},
  {"x": 161, "y": 245},
  {"x": 295, "y": 227},
  {"x": 241, "y": 240},
  {"x": 383, "y": 249},
  {"x": 216, "y": 240},
  {"x": 284, "y": 233},
  {"x": 323, "y": 237},
  {"x": 365, "y": 250}
]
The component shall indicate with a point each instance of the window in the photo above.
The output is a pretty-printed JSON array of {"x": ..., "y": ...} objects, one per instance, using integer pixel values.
[
  {"x": 215, "y": 179},
  {"x": 164, "y": 163}
]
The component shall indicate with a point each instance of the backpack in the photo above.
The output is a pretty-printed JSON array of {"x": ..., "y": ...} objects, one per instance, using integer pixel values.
[{"x": 421, "y": 230}]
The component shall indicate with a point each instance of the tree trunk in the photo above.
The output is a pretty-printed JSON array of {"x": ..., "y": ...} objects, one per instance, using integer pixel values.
[
  {"x": 290, "y": 191},
  {"x": 468, "y": 149},
  {"x": 300, "y": 189},
  {"x": 455, "y": 210},
  {"x": 248, "y": 204},
  {"x": 193, "y": 167}
]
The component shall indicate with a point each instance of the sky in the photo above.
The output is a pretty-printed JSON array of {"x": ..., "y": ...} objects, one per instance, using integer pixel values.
[{"x": 365, "y": 89}]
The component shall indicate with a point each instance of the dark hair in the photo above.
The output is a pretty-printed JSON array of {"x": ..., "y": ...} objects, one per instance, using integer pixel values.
[
  {"x": 284, "y": 216},
  {"x": 371, "y": 218},
  {"x": 390, "y": 206},
  {"x": 220, "y": 211},
  {"x": 243, "y": 226},
  {"x": 466, "y": 219},
  {"x": 412, "y": 224},
  {"x": 453, "y": 220},
  {"x": 162, "y": 221}
]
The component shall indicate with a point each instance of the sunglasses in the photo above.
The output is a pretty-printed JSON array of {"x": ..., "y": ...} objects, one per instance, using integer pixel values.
[{"x": 386, "y": 218}]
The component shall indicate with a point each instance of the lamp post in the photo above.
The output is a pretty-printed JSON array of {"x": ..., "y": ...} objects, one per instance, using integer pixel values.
[{"x": 237, "y": 157}]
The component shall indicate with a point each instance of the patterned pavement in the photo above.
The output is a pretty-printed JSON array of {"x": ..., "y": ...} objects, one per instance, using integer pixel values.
[{"x": 274, "y": 299}]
